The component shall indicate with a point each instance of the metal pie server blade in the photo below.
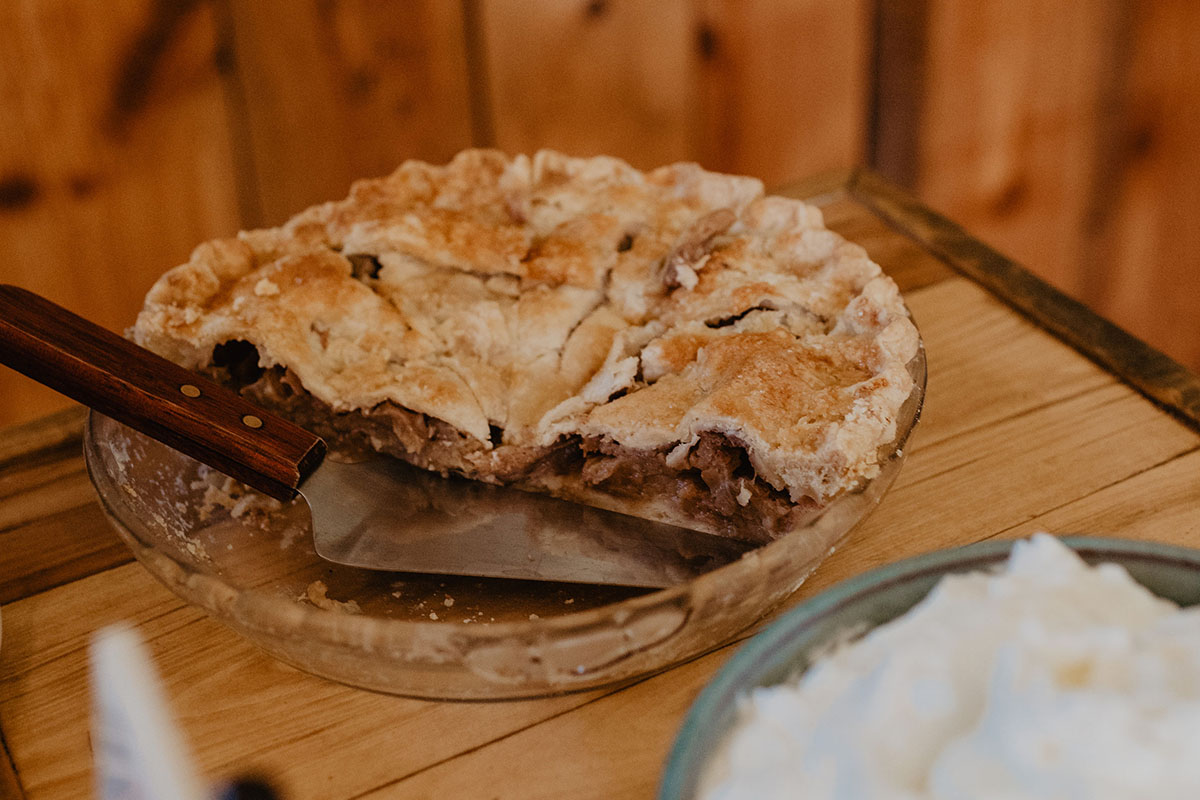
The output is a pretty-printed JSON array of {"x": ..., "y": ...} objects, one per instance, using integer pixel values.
[
  {"x": 386, "y": 515},
  {"x": 378, "y": 514}
]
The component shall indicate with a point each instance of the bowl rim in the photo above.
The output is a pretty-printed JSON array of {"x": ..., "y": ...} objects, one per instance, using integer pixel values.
[{"x": 735, "y": 677}]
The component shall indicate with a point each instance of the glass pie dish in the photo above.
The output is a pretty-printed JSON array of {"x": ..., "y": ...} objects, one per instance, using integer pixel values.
[{"x": 436, "y": 636}]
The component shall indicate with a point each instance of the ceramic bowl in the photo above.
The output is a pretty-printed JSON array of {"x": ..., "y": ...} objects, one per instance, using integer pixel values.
[{"x": 786, "y": 647}]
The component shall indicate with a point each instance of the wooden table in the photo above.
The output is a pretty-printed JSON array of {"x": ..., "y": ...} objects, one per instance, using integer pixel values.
[{"x": 1036, "y": 417}]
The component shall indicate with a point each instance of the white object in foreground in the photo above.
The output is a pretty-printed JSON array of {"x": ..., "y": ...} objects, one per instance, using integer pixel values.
[
  {"x": 139, "y": 752},
  {"x": 1051, "y": 679}
]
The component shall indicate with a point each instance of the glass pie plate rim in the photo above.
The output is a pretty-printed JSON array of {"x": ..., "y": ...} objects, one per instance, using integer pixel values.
[{"x": 527, "y": 657}]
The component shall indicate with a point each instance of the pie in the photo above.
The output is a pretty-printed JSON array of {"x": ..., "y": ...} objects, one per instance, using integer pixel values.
[{"x": 673, "y": 344}]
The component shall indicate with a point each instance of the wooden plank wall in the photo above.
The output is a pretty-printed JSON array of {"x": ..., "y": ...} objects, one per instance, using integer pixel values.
[
  {"x": 115, "y": 155},
  {"x": 1067, "y": 135},
  {"x": 1062, "y": 133}
]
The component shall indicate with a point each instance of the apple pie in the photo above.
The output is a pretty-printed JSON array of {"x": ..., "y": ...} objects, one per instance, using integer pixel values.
[{"x": 673, "y": 344}]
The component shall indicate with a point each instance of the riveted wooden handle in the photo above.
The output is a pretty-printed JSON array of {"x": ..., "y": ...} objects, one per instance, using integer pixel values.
[{"x": 144, "y": 391}]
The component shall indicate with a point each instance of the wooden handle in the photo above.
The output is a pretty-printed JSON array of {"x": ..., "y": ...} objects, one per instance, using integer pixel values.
[{"x": 146, "y": 392}]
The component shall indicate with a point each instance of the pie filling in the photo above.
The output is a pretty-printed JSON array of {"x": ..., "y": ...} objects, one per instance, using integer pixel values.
[
  {"x": 715, "y": 488},
  {"x": 672, "y": 344}
]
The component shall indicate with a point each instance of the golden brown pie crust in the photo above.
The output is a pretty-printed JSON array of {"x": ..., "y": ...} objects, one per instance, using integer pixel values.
[{"x": 528, "y": 320}]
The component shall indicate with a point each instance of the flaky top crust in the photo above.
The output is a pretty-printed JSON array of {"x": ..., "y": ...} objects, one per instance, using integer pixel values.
[{"x": 553, "y": 296}]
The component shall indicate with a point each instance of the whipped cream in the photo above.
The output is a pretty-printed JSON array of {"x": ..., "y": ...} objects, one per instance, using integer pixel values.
[{"x": 1051, "y": 679}]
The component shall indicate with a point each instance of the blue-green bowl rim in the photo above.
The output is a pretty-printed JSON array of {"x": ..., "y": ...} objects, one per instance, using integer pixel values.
[{"x": 733, "y": 678}]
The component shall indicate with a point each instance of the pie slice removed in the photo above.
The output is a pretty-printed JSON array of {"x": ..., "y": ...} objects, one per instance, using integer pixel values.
[{"x": 671, "y": 344}]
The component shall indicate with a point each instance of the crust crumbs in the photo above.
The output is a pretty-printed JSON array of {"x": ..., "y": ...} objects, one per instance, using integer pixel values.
[{"x": 552, "y": 296}]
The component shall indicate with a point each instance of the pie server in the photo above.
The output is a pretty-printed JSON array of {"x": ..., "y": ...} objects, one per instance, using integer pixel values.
[{"x": 376, "y": 514}]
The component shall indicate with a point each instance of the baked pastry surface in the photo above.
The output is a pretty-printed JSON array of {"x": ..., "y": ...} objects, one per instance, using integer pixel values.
[{"x": 671, "y": 343}]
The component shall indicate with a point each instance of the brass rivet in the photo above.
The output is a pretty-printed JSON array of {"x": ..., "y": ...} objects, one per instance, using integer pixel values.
[
  {"x": 189, "y": 390},
  {"x": 251, "y": 421}
]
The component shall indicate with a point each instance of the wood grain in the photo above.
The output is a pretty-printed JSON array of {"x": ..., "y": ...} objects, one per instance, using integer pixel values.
[
  {"x": 51, "y": 529},
  {"x": 115, "y": 158},
  {"x": 10, "y": 782},
  {"x": 1140, "y": 241},
  {"x": 1157, "y": 504},
  {"x": 898, "y": 74},
  {"x": 60, "y": 428},
  {"x": 1019, "y": 432},
  {"x": 1153, "y": 373},
  {"x": 723, "y": 83},
  {"x": 215, "y": 682},
  {"x": 1010, "y": 97},
  {"x": 591, "y": 78},
  {"x": 1064, "y": 136},
  {"x": 332, "y": 92},
  {"x": 612, "y": 747},
  {"x": 783, "y": 87}
]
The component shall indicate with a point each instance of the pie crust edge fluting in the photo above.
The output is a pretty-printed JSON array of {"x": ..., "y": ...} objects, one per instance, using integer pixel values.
[{"x": 673, "y": 343}]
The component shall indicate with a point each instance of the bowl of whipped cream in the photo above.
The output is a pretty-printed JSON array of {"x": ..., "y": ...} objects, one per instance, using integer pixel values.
[{"x": 1041, "y": 668}]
